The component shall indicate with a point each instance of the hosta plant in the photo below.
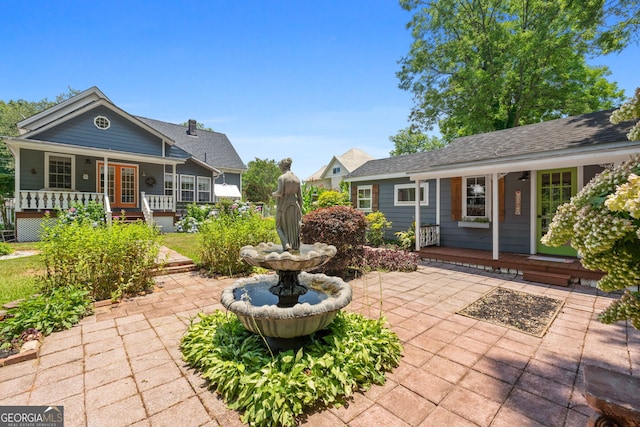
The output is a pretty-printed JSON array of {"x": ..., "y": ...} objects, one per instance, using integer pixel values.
[{"x": 275, "y": 389}]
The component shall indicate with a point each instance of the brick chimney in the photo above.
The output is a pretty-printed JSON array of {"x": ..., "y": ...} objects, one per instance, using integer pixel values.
[{"x": 193, "y": 130}]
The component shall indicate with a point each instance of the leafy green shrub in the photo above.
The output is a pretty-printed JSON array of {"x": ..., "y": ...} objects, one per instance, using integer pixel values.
[
  {"x": 407, "y": 239},
  {"x": 92, "y": 213},
  {"x": 52, "y": 311},
  {"x": 222, "y": 237},
  {"x": 341, "y": 226},
  {"x": 109, "y": 262},
  {"x": 5, "y": 249},
  {"x": 386, "y": 259},
  {"x": 330, "y": 198},
  {"x": 352, "y": 354},
  {"x": 197, "y": 214},
  {"x": 377, "y": 224}
]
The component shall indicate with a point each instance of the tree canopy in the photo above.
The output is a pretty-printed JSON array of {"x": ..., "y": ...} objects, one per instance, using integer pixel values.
[
  {"x": 409, "y": 141},
  {"x": 260, "y": 180},
  {"x": 482, "y": 65}
]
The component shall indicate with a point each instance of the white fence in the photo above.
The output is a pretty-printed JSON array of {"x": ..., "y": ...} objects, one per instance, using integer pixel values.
[{"x": 429, "y": 235}]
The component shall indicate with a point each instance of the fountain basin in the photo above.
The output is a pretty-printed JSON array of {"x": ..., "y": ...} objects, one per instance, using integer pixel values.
[
  {"x": 272, "y": 257},
  {"x": 248, "y": 300}
]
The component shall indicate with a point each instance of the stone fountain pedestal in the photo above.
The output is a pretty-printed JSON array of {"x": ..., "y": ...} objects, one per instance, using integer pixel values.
[{"x": 288, "y": 307}]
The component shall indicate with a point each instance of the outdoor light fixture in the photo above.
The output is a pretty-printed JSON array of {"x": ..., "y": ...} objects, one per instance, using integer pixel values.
[
  {"x": 87, "y": 161},
  {"x": 525, "y": 176},
  {"x": 143, "y": 174},
  {"x": 33, "y": 171}
]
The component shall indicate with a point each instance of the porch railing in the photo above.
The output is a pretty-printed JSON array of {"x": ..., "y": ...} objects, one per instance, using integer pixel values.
[
  {"x": 146, "y": 210},
  {"x": 46, "y": 200},
  {"x": 159, "y": 202},
  {"x": 429, "y": 235}
]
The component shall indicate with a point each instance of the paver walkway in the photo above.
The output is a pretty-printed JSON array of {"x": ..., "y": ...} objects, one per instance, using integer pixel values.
[{"x": 122, "y": 365}]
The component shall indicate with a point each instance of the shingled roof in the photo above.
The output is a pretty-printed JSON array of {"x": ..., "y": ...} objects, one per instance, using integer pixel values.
[
  {"x": 212, "y": 148},
  {"x": 574, "y": 134}
]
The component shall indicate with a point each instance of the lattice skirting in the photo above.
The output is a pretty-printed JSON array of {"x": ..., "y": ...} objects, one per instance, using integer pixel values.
[{"x": 29, "y": 229}]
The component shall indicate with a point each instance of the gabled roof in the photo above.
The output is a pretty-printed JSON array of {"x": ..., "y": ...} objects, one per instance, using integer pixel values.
[
  {"x": 74, "y": 106},
  {"x": 586, "y": 133},
  {"x": 212, "y": 148},
  {"x": 350, "y": 160}
]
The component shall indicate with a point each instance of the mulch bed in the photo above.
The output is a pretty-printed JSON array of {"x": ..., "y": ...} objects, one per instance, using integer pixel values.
[{"x": 528, "y": 313}]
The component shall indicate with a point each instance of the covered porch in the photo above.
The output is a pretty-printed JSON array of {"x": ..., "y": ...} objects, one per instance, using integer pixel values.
[{"x": 554, "y": 270}]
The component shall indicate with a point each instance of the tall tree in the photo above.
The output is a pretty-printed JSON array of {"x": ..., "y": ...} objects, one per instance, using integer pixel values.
[
  {"x": 483, "y": 65},
  {"x": 409, "y": 141},
  {"x": 260, "y": 180}
]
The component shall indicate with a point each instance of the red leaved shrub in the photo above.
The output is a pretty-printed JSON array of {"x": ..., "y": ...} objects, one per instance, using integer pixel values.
[{"x": 341, "y": 226}]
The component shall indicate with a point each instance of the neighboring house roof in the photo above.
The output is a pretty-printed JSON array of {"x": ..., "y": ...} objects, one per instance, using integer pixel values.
[
  {"x": 587, "y": 133},
  {"x": 317, "y": 175},
  {"x": 350, "y": 160},
  {"x": 212, "y": 148}
]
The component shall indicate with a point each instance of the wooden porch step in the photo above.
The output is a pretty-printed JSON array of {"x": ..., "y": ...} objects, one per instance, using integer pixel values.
[{"x": 557, "y": 279}]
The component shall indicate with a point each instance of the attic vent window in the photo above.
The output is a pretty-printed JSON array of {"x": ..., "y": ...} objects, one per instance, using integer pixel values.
[{"x": 102, "y": 122}]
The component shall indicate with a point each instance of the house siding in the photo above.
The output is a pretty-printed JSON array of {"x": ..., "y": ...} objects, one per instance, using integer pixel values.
[
  {"x": 122, "y": 135},
  {"x": 401, "y": 217}
]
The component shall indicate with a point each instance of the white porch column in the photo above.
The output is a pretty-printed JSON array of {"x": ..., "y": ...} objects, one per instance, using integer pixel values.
[
  {"x": 438, "y": 201},
  {"x": 533, "y": 212},
  {"x": 105, "y": 181},
  {"x": 175, "y": 187},
  {"x": 495, "y": 215},
  {"x": 18, "y": 202},
  {"x": 417, "y": 214}
]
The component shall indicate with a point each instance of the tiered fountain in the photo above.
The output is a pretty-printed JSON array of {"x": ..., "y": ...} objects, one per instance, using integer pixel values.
[{"x": 286, "y": 308}]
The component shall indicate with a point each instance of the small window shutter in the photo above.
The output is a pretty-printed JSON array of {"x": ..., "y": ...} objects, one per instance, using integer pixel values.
[
  {"x": 456, "y": 198},
  {"x": 354, "y": 195},
  {"x": 501, "y": 199},
  {"x": 374, "y": 197}
]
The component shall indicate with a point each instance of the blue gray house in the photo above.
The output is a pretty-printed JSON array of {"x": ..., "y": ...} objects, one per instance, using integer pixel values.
[
  {"x": 495, "y": 191},
  {"x": 88, "y": 149}
]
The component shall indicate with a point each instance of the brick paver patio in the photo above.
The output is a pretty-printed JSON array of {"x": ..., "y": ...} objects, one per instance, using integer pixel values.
[{"x": 122, "y": 366}]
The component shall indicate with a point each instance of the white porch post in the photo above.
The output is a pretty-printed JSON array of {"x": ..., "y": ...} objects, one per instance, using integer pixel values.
[
  {"x": 175, "y": 187},
  {"x": 18, "y": 202},
  {"x": 105, "y": 177},
  {"x": 533, "y": 215},
  {"x": 417, "y": 215},
  {"x": 495, "y": 215},
  {"x": 438, "y": 201}
]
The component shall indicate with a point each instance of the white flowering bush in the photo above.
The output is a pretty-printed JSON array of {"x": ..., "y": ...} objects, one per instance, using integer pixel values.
[
  {"x": 602, "y": 222},
  {"x": 629, "y": 111}
]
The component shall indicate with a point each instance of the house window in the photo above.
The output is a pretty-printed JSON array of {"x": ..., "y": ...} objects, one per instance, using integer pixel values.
[
  {"x": 405, "y": 194},
  {"x": 336, "y": 170},
  {"x": 475, "y": 197},
  {"x": 204, "y": 189},
  {"x": 187, "y": 188},
  {"x": 168, "y": 184},
  {"x": 365, "y": 196},
  {"x": 102, "y": 122},
  {"x": 60, "y": 171}
]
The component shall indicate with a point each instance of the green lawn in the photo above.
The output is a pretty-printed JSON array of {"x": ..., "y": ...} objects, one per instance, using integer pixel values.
[
  {"x": 19, "y": 276},
  {"x": 183, "y": 243}
]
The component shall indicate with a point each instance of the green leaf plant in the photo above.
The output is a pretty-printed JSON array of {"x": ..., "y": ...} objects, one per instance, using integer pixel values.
[{"x": 353, "y": 353}]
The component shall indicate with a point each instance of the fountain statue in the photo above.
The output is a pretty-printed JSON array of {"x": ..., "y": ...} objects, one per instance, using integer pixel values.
[{"x": 286, "y": 308}]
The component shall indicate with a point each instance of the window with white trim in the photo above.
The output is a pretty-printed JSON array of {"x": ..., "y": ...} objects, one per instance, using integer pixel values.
[
  {"x": 187, "y": 188},
  {"x": 204, "y": 189},
  {"x": 336, "y": 170},
  {"x": 60, "y": 171},
  {"x": 405, "y": 194},
  {"x": 476, "y": 197},
  {"x": 365, "y": 198},
  {"x": 168, "y": 184}
]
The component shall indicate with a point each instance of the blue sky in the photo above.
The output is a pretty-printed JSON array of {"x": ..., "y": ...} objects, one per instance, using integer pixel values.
[{"x": 306, "y": 79}]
